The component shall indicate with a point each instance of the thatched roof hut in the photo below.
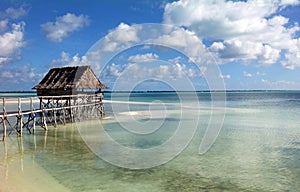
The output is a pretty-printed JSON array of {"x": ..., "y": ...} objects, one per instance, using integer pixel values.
[{"x": 68, "y": 81}]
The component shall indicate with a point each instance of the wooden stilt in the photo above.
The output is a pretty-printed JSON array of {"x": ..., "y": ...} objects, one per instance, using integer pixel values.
[
  {"x": 20, "y": 117},
  {"x": 32, "y": 114},
  {"x": 41, "y": 106},
  {"x": 64, "y": 116},
  {"x": 4, "y": 119},
  {"x": 54, "y": 114},
  {"x": 45, "y": 122},
  {"x": 34, "y": 122},
  {"x": 70, "y": 110},
  {"x": 21, "y": 125}
]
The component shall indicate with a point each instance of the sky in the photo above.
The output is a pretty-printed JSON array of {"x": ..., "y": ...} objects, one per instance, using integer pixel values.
[{"x": 153, "y": 44}]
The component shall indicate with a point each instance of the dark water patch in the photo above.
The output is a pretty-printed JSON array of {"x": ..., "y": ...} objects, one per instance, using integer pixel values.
[
  {"x": 130, "y": 175},
  {"x": 118, "y": 131},
  {"x": 291, "y": 153},
  {"x": 159, "y": 119},
  {"x": 182, "y": 182},
  {"x": 146, "y": 143}
]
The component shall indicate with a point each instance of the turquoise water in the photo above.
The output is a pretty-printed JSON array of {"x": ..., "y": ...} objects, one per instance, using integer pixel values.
[{"x": 258, "y": 148}]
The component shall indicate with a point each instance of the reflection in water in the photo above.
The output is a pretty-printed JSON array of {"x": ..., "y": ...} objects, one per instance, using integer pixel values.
[
  {"x": 21, "y": 170},
  {"x": 5, "y": 160}
]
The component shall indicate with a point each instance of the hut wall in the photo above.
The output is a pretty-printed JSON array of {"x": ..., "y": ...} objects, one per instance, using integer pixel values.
[{"x": 54, "y": 92}]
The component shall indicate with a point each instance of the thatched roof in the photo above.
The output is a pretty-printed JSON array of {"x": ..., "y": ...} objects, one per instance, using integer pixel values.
[{"x": 78, "y": 77}]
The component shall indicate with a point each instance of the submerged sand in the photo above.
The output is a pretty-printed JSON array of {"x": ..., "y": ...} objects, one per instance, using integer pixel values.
[{"x": 26, "y": 175}]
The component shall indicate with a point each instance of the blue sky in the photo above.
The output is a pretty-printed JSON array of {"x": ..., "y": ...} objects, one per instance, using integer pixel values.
[{"x": 254, "y": 44}]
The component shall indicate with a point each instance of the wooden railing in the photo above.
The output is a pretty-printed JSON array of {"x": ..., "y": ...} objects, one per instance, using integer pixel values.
[{"x": 19, "y": 113}]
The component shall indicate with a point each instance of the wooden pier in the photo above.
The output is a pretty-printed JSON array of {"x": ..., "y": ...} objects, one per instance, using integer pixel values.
[
  {"x": 64, "y": 94},
  {"x": 26, "y": 113}
]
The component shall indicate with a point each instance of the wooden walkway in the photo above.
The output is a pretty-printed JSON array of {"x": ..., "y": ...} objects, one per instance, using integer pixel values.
[{"x": 20, "y": 113}]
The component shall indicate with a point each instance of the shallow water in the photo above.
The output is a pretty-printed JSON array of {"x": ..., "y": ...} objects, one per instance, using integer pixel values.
[{"x": 258, "y": 149}]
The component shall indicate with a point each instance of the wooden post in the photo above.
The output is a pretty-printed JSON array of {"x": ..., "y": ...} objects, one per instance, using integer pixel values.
[
  {"x": 34, "y": 122},
  {"x": 55, "y": 122},
  {"x": 41, "y": 113},
  {"x": 4, "y": 129},
  {"x": 41, "y": 101},
  {"x": 45, "y": 121},
  {"x": 43, "y": 116},
  {"x": 64, "y": 116},
  {"x": 52, "y": 105},
  {"x": 33, "y": 114},
  {"x": 4, "y": 119},
  {"x": 70, "y": 109},
  {"x": 20, "y": 116}
]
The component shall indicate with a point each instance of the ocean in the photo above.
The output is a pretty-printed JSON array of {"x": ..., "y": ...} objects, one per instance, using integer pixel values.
[{"x": 252, "y": 144}]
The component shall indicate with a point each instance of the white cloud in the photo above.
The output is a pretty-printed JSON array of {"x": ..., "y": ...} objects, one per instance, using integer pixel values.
[
  {"x": 23, "y": 77},
  {"x": 288, "y": 2},
  {"x": 64, "y": 25},
  {"x": 11, "y": 34},
  {"x": 3, "y": 25},
  {"x": 10, "y": 43},
  {"x": 67, "y": 60},
  {"x": 246, "y": 30},
  {"x": 115, "y": 70},
  {"x": 190, "y": 71},
  {"x": 293, "y": 60},
  {"x": 246, "y": 74},
  {"x": 184, "y": 40},
  {"x": 217, "y": 19},
  {"x": 280, "y": 84},
  {"x": 143, "y": 58},
  {"x": 125, "y": 33},
  {"x": 268, "y": 55},
  {"x": 174, "y": 71},
  {"x": 175, "y": 60},
  {"x": 234, "y": 49},
  {"x": 6, "y": 75},
  {"x": 224, "y": 76},
  {"x": 14, "y": 13},
  {"x": 260, "y": 73},
  {"x": 292, "y": 56},
  {"x": 222, "y": 19},
  {"x": 120, "y": 37},
  {"x": 136, "y": 71},
  {"x": 125, "y": 36}
]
